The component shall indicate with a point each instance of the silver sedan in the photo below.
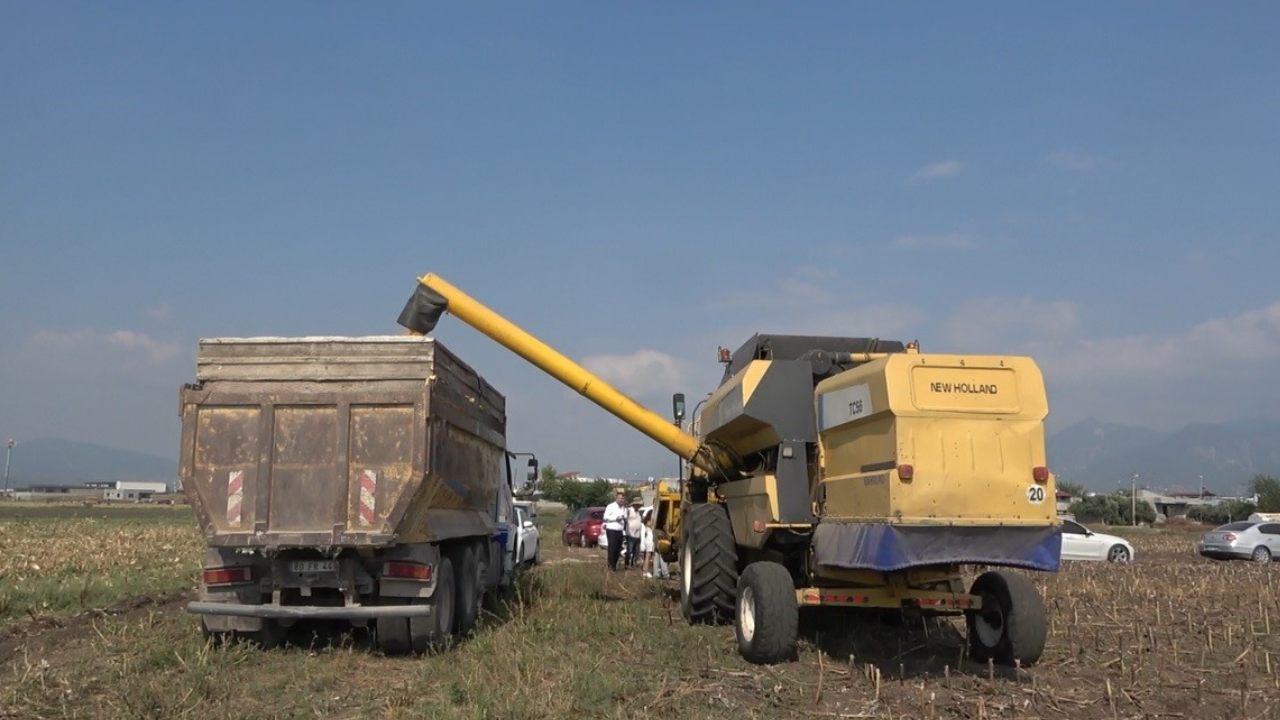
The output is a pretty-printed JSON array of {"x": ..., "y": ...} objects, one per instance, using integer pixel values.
[{"x": 1254, "y": 540}]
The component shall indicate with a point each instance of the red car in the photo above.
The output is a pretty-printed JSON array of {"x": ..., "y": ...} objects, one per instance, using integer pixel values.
[{"x": 584, "y": 528}]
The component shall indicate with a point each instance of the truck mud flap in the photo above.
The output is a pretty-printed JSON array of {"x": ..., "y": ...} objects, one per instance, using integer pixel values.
[
  {"x": 887, "y": 548},
  {"x": 308, "y": 612}
]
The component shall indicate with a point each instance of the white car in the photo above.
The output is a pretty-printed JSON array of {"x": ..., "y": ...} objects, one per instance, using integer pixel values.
[
  {"x": 528, "y": 542},
  {"x": 1081, "y": 543}
]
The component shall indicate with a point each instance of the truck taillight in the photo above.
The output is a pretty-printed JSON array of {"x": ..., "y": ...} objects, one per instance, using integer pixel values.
[
  {"x": 1040, "y": 474},
  {"x": 227, "y": 575},
  {"x": 407, "y": 571}
]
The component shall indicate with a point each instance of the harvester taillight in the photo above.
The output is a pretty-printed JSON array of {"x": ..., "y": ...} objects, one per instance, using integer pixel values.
[
  {"x": 227, "y": 575},
  {"x": 1040, "y": 474},
  {"x": 906, "y": 472},
  {"x": 407, "y": 571}
]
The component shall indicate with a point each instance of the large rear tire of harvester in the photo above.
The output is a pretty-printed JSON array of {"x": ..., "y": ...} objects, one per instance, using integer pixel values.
[
  {"x": 708, "y": 565},
  {"x": 767, "y": 618},
  {"x": 435, "y": 631},
  {"x": 468, "y": 573},
  {"x": 1012, "y": 626}
]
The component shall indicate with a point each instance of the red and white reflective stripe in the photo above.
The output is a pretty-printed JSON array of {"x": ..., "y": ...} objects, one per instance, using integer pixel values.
[
  {"x": 368, "y": 484},
  {"x": 235, "y": 496}
]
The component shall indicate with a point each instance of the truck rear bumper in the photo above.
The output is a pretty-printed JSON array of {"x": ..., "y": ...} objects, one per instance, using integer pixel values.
[{"x": 308, "y": 612}]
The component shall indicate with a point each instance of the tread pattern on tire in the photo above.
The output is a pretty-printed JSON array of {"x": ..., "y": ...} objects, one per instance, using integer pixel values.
[
  {"x": 465, "y": 559},
  {"x": 777, "y": 616},
  {"x": 713, "y": 592},
  {"x": 1025, "y": 619}
]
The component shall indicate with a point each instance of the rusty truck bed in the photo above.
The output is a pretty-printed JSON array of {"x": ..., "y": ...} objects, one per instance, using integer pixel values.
[{"x": 332, "y": 441}]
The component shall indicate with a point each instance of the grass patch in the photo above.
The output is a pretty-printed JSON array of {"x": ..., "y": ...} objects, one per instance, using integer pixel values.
[{"x": 59, "y": 560}]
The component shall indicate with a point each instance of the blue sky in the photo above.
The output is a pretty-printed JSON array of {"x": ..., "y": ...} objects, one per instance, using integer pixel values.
[{"x": 1093, "y": 184}]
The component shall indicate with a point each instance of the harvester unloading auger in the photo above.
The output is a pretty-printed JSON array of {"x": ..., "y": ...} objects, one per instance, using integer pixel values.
[{"x": 843, "y": 472}]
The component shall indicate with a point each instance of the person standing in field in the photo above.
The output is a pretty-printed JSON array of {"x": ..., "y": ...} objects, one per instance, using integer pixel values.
[
  {"x": 634, "y": 524},
  {"x": 647, "y": 544},
  {"x": 615, "y": 517}
]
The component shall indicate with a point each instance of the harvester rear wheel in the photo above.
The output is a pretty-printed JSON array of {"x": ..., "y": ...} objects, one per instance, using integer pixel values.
[
  {"x": 1012, "y": 625},
  {"x": 468, "y": 576},
  {"x": 767, "y": 614},
  {"x": 434, "y": 631},
  {"x": 708, "y": 565}
]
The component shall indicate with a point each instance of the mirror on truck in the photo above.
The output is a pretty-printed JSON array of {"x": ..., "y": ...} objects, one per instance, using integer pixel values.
[
  {"x": 533, "y": 470},
  {"x": 677, "y": 407}
]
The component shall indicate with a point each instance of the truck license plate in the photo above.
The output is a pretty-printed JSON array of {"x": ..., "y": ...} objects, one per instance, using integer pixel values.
[{"x": 314, "y": 566}]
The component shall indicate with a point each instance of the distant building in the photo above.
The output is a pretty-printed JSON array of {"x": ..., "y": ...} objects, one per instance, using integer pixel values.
[
  {"x": 1172, "y": 504},
  {"x": 133, "y": 490}
]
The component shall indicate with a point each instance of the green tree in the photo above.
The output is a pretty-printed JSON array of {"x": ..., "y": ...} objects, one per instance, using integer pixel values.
[
  {"x": 575, "y": 494},
  {"x": 1074, "y": 489},
  {"x": 1114, "y": 509},
  {"x": 1223, "y": 512},
  {"x": 1268, "y": 491}
]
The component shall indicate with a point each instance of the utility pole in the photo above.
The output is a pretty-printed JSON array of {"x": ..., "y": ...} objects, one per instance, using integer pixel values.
[
  {"x": 8, "y": 454},
  {"x": 1133, "y": 500}
]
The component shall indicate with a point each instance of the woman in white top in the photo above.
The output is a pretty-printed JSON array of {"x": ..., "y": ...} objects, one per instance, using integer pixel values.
[{"x": 647, "y": 545}]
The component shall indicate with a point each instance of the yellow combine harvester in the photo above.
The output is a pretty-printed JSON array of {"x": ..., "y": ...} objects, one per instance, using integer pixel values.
[{"x": 845, "y": 472}]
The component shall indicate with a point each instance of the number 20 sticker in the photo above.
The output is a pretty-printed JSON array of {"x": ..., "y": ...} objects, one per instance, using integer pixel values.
[{"x": 1035, "y": 494}]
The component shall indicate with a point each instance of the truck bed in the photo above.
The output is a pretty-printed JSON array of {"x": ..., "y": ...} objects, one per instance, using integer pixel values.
[{"x": 335, "y": 441}]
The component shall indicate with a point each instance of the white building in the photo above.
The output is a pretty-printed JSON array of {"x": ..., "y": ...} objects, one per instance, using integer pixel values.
[{"x": 133, "y": 490}]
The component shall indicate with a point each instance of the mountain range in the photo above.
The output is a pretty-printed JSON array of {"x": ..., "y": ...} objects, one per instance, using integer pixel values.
[
  {"x": 54, "y": 461},
  {"x": 1099, "y": 455},
  {"x": 1223, "y": 456}
]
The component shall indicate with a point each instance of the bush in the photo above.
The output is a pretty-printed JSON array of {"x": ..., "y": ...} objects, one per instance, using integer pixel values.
[{"x": 1111, "y": 509}]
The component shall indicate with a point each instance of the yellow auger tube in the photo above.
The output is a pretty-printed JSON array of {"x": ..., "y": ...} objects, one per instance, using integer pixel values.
[{"x": 505, "y": 333}]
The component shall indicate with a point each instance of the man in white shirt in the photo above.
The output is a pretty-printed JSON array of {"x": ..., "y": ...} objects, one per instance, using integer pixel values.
[{"x": 615, "y": 516}]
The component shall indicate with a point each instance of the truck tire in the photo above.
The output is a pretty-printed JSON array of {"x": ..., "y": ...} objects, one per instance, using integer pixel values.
[
  {"x": 1012, "y": 625},
  {"x": 392, "y": 634},
  {"x": 708, "y": 565},
  {"x": 767, "y": 618},
  {"x": 468, "y": 573},
  {"x": 435, "y": 631}
]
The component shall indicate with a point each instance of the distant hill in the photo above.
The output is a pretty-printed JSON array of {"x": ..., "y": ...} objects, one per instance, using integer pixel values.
[
  {"x": 1103, "y": 456},
  {"x": 53, "y": 461}
]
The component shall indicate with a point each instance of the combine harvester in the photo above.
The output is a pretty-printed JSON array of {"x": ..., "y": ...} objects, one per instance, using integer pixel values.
[{"x": 842, "y": 472}]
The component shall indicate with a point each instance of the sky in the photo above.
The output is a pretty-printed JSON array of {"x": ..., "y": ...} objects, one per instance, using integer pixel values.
[{"x": 1092, "y": 184}]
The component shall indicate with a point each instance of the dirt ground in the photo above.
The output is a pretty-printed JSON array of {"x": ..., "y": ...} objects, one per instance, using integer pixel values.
[{"x": 1170, "y": 635}]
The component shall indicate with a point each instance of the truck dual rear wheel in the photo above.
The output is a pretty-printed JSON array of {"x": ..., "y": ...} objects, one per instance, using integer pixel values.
[
  {"x": 767, "y": 614},
  {"x": 1012, "y": 625},
  {"x": 401, "y": 635},
  {"x": 434, "y": 631},
  {"x": 467, "y": 570},
  {"x": 708, "y": 565}
]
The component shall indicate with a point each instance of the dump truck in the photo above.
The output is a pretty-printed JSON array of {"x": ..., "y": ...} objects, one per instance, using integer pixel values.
[
  {"x": 362, "y": 479},
  {"x": 842, "y": 472}
]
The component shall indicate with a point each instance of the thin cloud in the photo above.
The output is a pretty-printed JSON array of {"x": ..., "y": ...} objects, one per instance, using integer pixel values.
[
  {"x": 1076, "y": 161},
  {"x": 937, "y": 171},
  {"x": 122, "y": 346},
  {"x": 640, "y": 373},
  {"x": 950, "y": 241},
  {"x": 162, "y": 312},
  {"x": 995, "y": 324}
]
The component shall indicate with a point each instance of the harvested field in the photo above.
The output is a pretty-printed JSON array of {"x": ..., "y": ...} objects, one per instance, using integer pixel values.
[{"x": 1170, "y": 636}]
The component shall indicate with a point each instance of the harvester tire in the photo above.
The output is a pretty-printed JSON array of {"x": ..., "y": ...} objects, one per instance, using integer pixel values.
[
  {"x": 767, "y": 618},
  {"x": 469, "y": 580},
  {"x": 708, "y": 565},
  {"x": 433, "y": 632},
  {"x": 1012, "y": 625}
]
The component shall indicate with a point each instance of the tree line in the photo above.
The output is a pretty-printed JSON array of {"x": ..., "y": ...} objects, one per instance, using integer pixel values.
[{"x": 1119, "y": 509}]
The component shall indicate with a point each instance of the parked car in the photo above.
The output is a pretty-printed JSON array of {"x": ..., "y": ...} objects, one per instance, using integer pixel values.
[
  {"x": 527, "y": 540},
  {"x": 584, "y": 528},
  {"x": 1081, "y": 543},
  {"x": 1254, "y": 540}
]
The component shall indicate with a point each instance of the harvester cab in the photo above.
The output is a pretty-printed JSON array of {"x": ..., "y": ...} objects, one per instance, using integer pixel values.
[{"x": 850, "y": 472}]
